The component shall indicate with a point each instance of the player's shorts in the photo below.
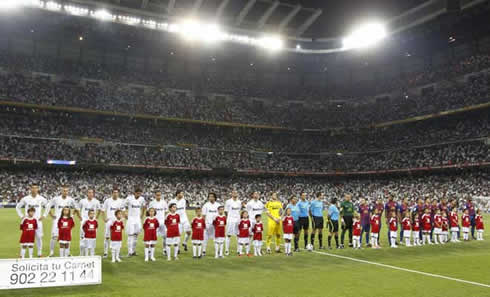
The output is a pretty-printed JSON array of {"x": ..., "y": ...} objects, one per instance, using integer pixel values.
[
  {"x": 454, "y": 229},
  {"x": 54, "y": 228},
  {"x": 257, "y": 243},
  {"x": 317, "y": 222},
  {"x": 273, "y": 228},
  {"x": 374, "y": 235},
  {"x": 116, "y": 244},
  {"x": 184, "y": 226},
  {"x": 150, "y": 242},
  {"x": 437, "y": 230},
  {"x": 333, "y": 226},
  {"x": 232, "y": 228},
  {"x": 89, "y": 243},
  {"x": 196, "y": 242},
  {"x": 209, "y": 232},
  {"x": 172, "y": 240},
  {"x": 219, "y": 240},
  {"x": 82, "y": 233},
  {"x": 393, "y": 234},
  {"x": 426, "y": 231},
  {"x": 107, "y": 229},
  {"x": 304, "y": 223},
  {"x": 465, "y": 229},
  {"x": 64, "y": 241},
  {"x": 407, "y": 233},
  {"x": 161, "y": 231},
  {"x": 39, "y": 230},
  {"x": 243, "y": 240},
  {"x": 356, "y": 237},
  {"x": 288, "y": 236},
  {"x": 445, "y": 232},
  {"x": 134, "y": 226},
  {"x": 479, "y": 230},
  {"x": 27, "y": 244}
]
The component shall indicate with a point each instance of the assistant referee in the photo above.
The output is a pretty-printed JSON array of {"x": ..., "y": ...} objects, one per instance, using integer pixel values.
[{"x": 346, "y": 211}]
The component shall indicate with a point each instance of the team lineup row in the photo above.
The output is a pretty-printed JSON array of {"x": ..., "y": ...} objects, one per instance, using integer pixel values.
[{"x": 214, "y": 221}]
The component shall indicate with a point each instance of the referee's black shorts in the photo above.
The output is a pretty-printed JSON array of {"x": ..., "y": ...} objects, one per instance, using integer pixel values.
[
  {"x": 317, "y": 222},
  {"x": 304, "y": 223},
  {"x": 333, "y": 226},
  {"x": 297, "y": 227}
]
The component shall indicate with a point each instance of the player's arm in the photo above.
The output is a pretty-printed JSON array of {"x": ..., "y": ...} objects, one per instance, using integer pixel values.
[
  {"x": 49, "y": 209},
  {"x": 98, "y": 211},
  {"x": 104, "y": 211},
  {"x": 18, "y": 208}
]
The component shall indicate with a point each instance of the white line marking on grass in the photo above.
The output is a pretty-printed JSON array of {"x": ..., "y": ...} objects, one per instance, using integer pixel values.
[{"x": 404, "y": 269}]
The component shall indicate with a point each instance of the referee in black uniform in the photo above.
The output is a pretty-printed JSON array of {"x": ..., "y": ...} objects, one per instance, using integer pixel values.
[{"x": 347, "y": 212}]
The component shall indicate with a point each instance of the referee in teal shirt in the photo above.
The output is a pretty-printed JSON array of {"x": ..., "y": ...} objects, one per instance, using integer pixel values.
[{"x": 316, "y": 211}]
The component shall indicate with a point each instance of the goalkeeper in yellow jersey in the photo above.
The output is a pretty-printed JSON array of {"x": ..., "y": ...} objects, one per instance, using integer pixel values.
[{"x": 274, "y": 211}]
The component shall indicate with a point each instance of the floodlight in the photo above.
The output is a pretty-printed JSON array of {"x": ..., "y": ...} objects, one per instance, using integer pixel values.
[
  {"x": 102, "y": 14},
  {"x": 212, "y": 33},
  {"x": 271, "y": 42},
  {"x": 9, "y": 4},
  {"x": 51, "y": 5},
  {"x": 189, "y": 29},
  {"x": 365, "y": 36}
]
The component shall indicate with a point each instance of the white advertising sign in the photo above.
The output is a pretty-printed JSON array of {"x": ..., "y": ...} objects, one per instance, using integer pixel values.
[{"x": 50, "y": 272}]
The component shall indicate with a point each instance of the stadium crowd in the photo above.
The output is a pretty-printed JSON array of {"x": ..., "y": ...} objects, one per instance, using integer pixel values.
[{"x": 114, "y": 95}]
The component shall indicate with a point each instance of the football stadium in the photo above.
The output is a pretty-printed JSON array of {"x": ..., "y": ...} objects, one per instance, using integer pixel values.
[{"x": 254, "y": 148}]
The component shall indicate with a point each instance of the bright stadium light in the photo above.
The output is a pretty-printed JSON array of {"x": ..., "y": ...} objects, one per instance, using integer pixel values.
[
  {"x": 51, "y": 5},
  {"x": 102, "y": 14},
  {"x": 212, "y": 33},
  {"x": 365, "y": 36},
  {"x": 9, "y": 4},
  {"x": 190, "y": 30},
  {"x": 271, "y": 42}
]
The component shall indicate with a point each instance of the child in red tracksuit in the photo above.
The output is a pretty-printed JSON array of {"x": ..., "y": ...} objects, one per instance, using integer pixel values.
[
  {"x": 28, "y": 227},
  {"x": 356, "y": 232},
  {"x": 393, "y": 229},
  {"x": 426, "y": 226},
  {"x": 257, "y": 231},
  {"x": 65, "y": 225}
]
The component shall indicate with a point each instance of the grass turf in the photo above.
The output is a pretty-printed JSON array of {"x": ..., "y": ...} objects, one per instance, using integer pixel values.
[{"x": 304, "y": 274}]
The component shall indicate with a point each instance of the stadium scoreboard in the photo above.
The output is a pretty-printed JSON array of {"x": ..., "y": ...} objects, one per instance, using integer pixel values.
[{"x": 50, "y": 272}]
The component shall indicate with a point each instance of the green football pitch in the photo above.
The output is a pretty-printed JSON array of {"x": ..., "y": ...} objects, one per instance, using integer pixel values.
[{"x": 304, "y": 274}]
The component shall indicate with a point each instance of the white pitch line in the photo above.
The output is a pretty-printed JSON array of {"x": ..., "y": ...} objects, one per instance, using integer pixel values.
[{"x": 404, "y": 269}]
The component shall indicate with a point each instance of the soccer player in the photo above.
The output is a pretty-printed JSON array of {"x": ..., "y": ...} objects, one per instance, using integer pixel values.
[
  {"x": 453, "y": 221},
  {"x": 219, "y": 232},
  {"x": 426, "y": 226},
  {"x": 198, "y": 226},
  {"x": 274, "y": 209},
  {"x": 135, "y": 209},
  {"x": 466, "y": 224},
  {"x": 116, "y": 227},
  {"x": 64, "y": 227},
  {"x": 85, "y": 206},
  {"x": 288, "y": 230},
  {"x": 365, "y": 212},
  {"x": 416, "y": 229},
  {"x": 293, "y": 205},
  {"x": 209, "y": 212},
  {"x": 28, "y": 227},
  {"x": 479, "y": 225},
  {"x": 393, "y": 226},
  {"x": 375, "y": 227},
  {"x": 304, "y": 212},
  {"x": 150, "y": 227},
  {"x": 316, "y": 211},
  {"x": 356, "y": 232},
  {"x": 185, "y": 226},
  {"x": 471, "y": 212},
  {"x": 346, "y": 211},
  {"x": 172, "y": 224},
  {"x": 255, "y": 206},
  {"x": 232, "y": 210},
  {"x": 407, "y": 227},
  {"x": 161, "y": 207},
  {"x": 437, "y": 227},
  {"x": 38, "y": 202},
  {"x": 58, "y": 203},
  {"x": 244, "y": 234},
  {"x": 89, "y": 227},
  {"x": 257, "y": 230},
  {"x": 111, "y": 205}
]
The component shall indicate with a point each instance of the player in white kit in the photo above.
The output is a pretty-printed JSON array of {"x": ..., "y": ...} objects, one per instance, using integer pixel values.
[
  {"x": 255, "y": 206},
  {"x": 58, "y": 203},
  {"x": 85, "y": 205},
  {"x": 209, "y": 212},
  {"x": 135, "y": 209},
  {"x": 233, "y": 206},
  {"x": 37, "y": 202},
  {"x": 185, "y": 226},
  {"x": 161, "y": 207},
  {"x": 109, "y": 209}
]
